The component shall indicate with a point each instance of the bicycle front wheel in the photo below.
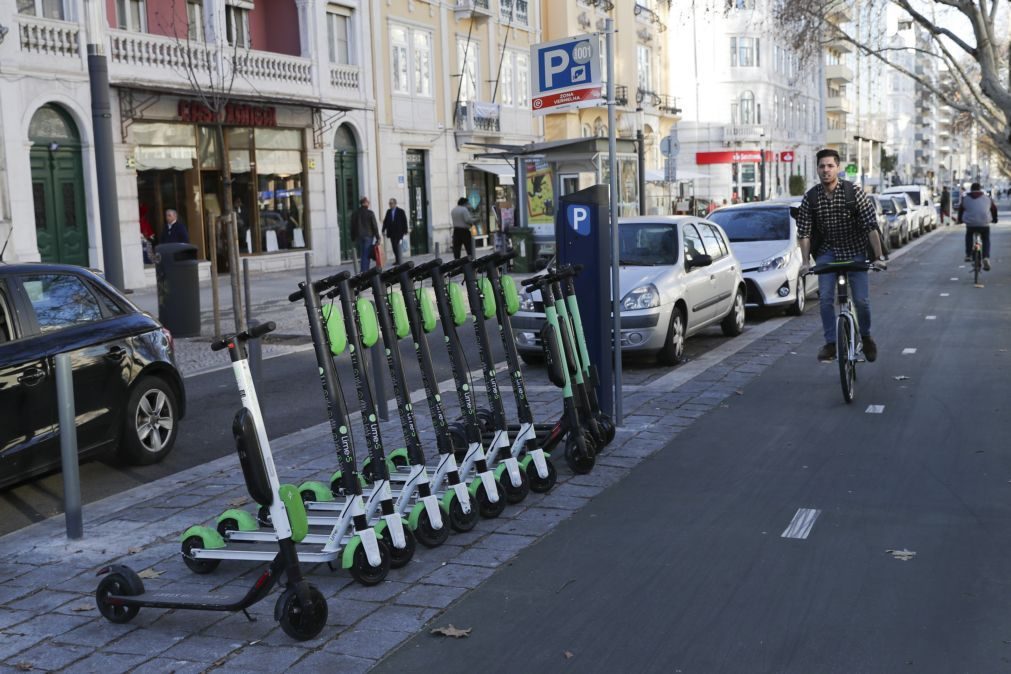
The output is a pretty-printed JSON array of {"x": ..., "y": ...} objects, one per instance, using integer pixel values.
[
  {"x": 845, "y": 356},
  {"x": 977, "y": 264}
]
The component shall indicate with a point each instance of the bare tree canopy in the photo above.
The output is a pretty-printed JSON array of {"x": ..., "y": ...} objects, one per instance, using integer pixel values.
[{"x": 969, "y": 39}]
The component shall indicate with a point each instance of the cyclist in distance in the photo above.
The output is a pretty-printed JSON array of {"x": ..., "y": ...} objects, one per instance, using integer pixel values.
[
  {"x": 977, "y": 211},
  {"x": 836, "y": 222}
]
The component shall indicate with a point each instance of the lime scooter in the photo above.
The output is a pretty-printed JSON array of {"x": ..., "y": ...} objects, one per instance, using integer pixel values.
[
  {"x": 482, "y": 307},
  {"x": 485, "y": 489},
  {"x": 301, "y": 609},
  {"x": 580, "y": 452},
  {"x": 534, "y": 461},
  {"x": 351, "y": 539}
]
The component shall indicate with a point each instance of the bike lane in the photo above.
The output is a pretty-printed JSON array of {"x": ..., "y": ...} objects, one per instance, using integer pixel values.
[{"x": 684, "y": 566}]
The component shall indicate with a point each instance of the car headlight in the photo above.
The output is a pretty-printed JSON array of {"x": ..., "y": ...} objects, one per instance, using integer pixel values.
[
  {"x": 527, "y": 302},
  {"x": 777, "y": 262},
  {"x": 643, "y": 297}
]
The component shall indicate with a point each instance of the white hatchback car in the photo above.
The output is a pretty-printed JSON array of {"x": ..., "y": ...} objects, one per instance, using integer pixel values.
[
  {"x": 678, "y": 275},
  {"x": 764, "y": 238}
]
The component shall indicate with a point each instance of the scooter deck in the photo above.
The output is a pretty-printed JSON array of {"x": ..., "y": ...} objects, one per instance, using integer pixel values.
[
  {"x": 252, "y": 554},
  {"x": 201, "y": 602}
]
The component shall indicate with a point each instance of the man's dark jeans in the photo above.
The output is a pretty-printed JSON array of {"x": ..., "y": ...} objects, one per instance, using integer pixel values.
[{"x": 984, "y": 231}]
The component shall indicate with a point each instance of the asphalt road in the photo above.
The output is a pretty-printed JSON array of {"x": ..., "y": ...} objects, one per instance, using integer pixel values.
[
  {"x": 291, "y": 401},
  {"x": 684, "y": 567}
]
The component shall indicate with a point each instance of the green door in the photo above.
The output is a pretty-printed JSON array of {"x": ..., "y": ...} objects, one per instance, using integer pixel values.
[
  {"x": 346, "y": 164},
  {"x": 61, "y": 229},
  {"x": 417, "y": 198}
]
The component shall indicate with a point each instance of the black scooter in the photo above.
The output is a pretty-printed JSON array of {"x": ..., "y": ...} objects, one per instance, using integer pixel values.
[{"x": 301, "y": 609}]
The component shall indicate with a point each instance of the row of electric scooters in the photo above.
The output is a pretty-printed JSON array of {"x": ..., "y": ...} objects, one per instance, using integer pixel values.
[{"x": 368, "y": 519}]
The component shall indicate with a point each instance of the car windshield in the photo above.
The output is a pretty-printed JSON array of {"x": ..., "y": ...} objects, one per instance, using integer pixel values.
[
  {"x": 888, "y": 206},
  {"x": 647, "y": 244},
  {"x": 912, "y": 197},
  {"x": 754, "y": 224}
]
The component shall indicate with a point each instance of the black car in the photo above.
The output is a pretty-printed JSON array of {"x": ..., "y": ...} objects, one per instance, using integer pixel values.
[{"x": 128, "y": 394}]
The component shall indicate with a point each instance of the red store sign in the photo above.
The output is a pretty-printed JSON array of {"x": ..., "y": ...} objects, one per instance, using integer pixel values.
[
  {"x": 786, "y": 157},
  {"x": 731, "y": 157},
  {"x": 236, "y": 114}
]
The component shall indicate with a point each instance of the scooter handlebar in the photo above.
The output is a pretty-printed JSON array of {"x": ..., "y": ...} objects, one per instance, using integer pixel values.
[
  {"x": 252, "y": 333},
  {"x": 364, "y": 279},
  {"x": 425, "y": 268},
  {"x": 393, "y": 272},
  {"x": 454, "y": 266}
]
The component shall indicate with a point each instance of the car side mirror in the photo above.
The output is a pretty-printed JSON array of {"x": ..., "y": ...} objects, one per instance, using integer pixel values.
[
  {"x": 903, "y": 212},
  {"x": 698, "y": 260}
]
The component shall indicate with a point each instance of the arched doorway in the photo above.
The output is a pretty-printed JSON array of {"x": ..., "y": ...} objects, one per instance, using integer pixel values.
[
  {"x": 61, "y": 228},
  {"x": 346, "y": 165}
]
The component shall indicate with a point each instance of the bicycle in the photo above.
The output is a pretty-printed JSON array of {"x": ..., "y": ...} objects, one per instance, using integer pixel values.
[
  {"x": 848, "y": 343},
  {"x": 977, "y": 257}
]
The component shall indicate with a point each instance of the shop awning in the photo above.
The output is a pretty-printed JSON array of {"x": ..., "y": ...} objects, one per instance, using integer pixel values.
[{"x": 505, "y": 172}]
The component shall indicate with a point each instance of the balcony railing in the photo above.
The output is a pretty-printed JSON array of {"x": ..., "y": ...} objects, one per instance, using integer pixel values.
[
  {"x": 620, "y": 95},
  {"x": 345, "y": 76},
  {"x": 49, "y": 37},
  {"x": 149, "y": 51},
  {"x": 478, "y": 117},
  {"x": 669, "y": 105},
  {"x": 839, "y": 71},
  {"x": 744, "y": 132},
  {"x": 274, "y": 67},
  {"x": 837, "y": 104},
  {"x": 472, "y": 9},
  {"x": 651, "y": 16},
  {"x": 647, "y": 97}
]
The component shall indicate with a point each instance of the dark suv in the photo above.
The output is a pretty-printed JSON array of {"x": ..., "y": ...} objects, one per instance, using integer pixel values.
[{"x": 128, "y": 394}]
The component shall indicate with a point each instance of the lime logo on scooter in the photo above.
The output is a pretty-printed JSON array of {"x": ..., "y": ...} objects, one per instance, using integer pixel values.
[{"x": 579, "y": 219}]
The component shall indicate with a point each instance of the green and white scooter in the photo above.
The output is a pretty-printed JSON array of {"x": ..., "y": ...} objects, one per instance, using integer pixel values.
[{"x": 351, "y": 541}]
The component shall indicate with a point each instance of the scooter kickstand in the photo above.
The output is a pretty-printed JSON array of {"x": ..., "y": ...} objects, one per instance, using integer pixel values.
[{"x": 250, "y": 618}]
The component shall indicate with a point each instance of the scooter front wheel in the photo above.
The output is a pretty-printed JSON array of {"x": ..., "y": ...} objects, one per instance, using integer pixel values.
[
  {"x": 607, "y": 426},
  {"x": 400, "y": 556},
  {"x": 515, "y": 493},
  {"x": 540, "y": 485},
  {"x": 427, "y": 534},
  {"x": 297, "y": 620},
  {"x": 118, "y": 584},
  {"x": 460, "y": 521},
  {"x": 365, "y": 573},
  {"x": 485, "y": 506},
  {"x": 579, "y": 455},
  {"x": 195, "y": 565}
]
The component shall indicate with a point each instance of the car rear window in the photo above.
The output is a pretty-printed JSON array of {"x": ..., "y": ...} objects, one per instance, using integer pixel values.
[
  {"x": 888, "y": 206},
  {"x": 754, "y": 224},
  {"x": 61, "y": 301},
  {"x": 647, "y": 244}
]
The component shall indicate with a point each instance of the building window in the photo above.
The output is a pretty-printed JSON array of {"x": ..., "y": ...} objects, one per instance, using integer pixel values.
[
  {"x": 49, "y": 9},
  {"x": 523, "y": 80},
  {"x": 506, "y": 81},
  {"x": 411, "y": 60},
  {"x": 644, "y": 60},
  {"x": 744, "y": 52},
  {"x": 746, "y": 108},
  {"x": 131, "y": 15},
  {"x": 237, "y": 26},
  {"x": 514, "y": 82},
  {"x": 515, "y": 11},
  {"x": 338, "y": 37},
  {"x": 467, "y": 62},
  {"x": 775, "y": 110},
  {"x": 195, "y": 20}
]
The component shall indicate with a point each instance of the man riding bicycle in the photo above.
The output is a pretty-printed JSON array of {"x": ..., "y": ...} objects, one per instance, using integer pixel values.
[
  {"x": 977, "y": 211},
  {"x": 835, "y": 223}
]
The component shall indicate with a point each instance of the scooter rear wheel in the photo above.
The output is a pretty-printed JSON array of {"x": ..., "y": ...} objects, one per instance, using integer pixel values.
[
  {"x": 537, "y": 484},
  {"x": 298, "y": 621},
  {"x": 118, "y": 584},
  {"x": 400, "y": 556},
  {"x": 607, "y": 426},
  {"x": 365, "y": 573},
  {"x": 428, "y": 535},
  {"x": 460, "y": 521},
  {"x": 195, "y": 565}
]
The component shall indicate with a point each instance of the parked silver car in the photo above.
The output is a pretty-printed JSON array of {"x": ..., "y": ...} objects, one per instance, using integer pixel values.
[
  {"x": 763, "y": 236},
  {"x": 678, "y": 275},
  {"x": 894, "y": 208}
]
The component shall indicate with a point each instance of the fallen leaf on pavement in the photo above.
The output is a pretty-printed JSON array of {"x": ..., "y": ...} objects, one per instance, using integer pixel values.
[
  {"x": 24, "y": 666},
  {"x": 569, "y": 654},
  {"x": 900, "y": 377},
  {"x": 450, "y": 631},
  {"x": 150, "y": 573},
  {"x": 133, "y": 551},
  {"x": 82, "y": 607},
  {"x": 238, "y": 502},
  {"x": 739, "y": 392},
  {"x": 904, "y": 555}
]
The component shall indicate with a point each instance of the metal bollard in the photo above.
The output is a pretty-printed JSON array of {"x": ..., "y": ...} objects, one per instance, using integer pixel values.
[
  {"x": 253, "y": 345},
  {"x": 68, "y": 446}
]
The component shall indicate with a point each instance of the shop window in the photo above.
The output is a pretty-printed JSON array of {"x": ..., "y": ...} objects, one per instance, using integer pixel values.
[
  {"x": 131, "y": 15},
  {"x": 48, "y": 9},
  {"x": 280, "y": 199}
]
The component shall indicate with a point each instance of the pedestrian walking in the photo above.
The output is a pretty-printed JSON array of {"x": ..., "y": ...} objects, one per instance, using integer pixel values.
[
  {"x": 395, "y": 227},
  {"x": 365, "y": 232},
  {"x": 462, "y": 220},
  {"x": 840, "y": 220},
  {"x": 175, "y": 231},
  {"x": 945, "y": 205}
]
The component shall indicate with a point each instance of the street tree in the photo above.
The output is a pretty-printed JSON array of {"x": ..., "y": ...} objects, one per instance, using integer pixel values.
[{"x": 963, "y": 36}]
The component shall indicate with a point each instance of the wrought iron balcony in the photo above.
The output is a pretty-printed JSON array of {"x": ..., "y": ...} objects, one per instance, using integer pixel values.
[
  {"x": 478, "y": 117},
  {"x": 602, "y": 5},
  {"x": 620, "y": 95},
  {"x": 651, "y": 16},
  {"x": 645, "y": 96},
  {"x": 473, "y": 9},
  {"x": 669, "y": 105}
]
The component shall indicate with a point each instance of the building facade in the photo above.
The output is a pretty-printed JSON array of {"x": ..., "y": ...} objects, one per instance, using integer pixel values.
[{"x": 299, "y": 118}]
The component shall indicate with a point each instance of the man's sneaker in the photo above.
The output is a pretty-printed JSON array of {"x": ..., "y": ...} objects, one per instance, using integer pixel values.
[
  {"x": 827, "y": 352},
  {"x": 986, "y": 264},
  {"x": 870, "y": 349}
]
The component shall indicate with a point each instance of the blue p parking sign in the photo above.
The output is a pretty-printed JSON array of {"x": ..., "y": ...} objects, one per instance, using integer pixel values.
[
  {"x": 579, "y": 219},
  {"x": 566, "y": 74}
]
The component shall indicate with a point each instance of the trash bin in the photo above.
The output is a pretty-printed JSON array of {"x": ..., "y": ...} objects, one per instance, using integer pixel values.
[
  {"x": 523, "y": 244},
  {"x": 176, "y": 271}
]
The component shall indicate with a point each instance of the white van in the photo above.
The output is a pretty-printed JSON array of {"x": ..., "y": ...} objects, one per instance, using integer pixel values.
[{"x": 923, "y": 214}]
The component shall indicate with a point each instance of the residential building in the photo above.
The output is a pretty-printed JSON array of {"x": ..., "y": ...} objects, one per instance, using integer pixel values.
[
  {"x": 752, "y": 107},
  {"x": 453, "y": 80},
  {"x": 299, "y": 124},
  {"x": 869, "y": 95}
]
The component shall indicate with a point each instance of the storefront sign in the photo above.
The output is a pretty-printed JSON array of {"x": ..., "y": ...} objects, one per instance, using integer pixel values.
[
  {"x": 237, "y": 114},
  {"x": 731, "y": 157},
  {"x": 786, "y": 157}
]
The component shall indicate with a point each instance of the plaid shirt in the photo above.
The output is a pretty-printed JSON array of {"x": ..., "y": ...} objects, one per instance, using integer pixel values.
[{"x": 848, "y": 240}]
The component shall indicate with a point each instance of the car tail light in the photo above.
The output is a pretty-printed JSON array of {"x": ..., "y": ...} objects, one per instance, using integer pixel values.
[{"x": 168, "y": 335}]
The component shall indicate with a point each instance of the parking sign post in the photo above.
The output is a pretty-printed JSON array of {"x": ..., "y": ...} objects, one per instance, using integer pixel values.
[
  {"x": 612, "y": 164},
  {"x": 68, "y": 446}
]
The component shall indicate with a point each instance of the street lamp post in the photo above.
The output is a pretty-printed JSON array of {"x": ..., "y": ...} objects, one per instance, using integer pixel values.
[{"x": 761, "y": 148}]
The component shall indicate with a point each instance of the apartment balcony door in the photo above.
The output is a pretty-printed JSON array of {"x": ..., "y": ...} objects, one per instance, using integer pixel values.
[{"x": 417, "y": 197}]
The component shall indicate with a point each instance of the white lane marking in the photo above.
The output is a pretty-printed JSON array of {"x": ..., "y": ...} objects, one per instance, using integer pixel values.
[
  {"x": 801, "y": 524},
  {"x": 954, "y": 278},
  {"x": 945, "y": 294},
  {"x": 908, "y": 352},
  {"x": 931, "y": 318},
  {"x": 875, "y": 409}
]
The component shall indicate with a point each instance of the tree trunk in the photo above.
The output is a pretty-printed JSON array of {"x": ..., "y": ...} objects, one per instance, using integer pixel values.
[{"x": 228, "y": 220}]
